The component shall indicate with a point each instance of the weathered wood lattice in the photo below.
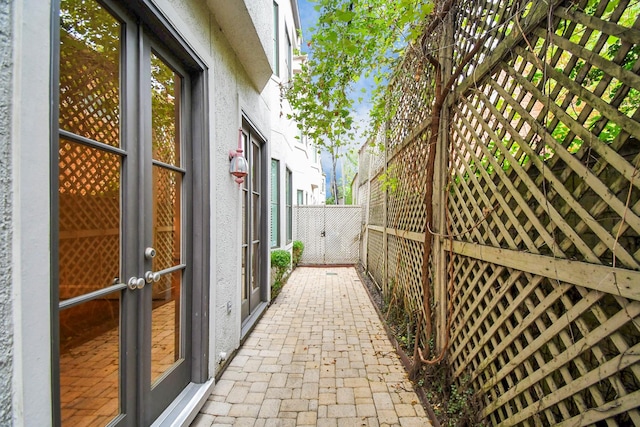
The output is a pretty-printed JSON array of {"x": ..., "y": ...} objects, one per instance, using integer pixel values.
[{"x": 536, "y": 207}]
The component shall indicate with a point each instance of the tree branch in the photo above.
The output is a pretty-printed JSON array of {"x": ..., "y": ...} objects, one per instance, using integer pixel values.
[
  {"x": 467, "y": 58},
  {"x": 432, "y": 60}
]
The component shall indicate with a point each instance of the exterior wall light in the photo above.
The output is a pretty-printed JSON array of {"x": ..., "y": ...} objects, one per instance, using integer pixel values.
[{"x": 238, "y": 166}]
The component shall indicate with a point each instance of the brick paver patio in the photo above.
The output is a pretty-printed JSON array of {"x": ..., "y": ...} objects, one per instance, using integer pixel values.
[{"x": 319, "y": 357}]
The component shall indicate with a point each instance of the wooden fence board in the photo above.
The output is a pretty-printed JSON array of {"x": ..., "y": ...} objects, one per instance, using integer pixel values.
[{"x": 593, "y": 276}]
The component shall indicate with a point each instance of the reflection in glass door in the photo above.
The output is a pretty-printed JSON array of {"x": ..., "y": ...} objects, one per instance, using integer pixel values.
[
  {"x": 166, "y": 274},
  {"x": 123, "y": 276},
  {"x": 91, "y": 159}
]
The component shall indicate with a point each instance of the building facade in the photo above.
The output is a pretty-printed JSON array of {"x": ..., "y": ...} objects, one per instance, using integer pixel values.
[
  {"x": 133, "y": 264},
  {"x": 295, "y": 170}
]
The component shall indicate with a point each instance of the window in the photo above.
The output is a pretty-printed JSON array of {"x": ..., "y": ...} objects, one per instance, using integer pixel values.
[
  {"x": 289, "y": 55},
  {"x": 276, "y": 40},
  {"x": 289, "y": 208},
  {"x": 275, "y": 206},
  {"x": 300, "y": 197}
]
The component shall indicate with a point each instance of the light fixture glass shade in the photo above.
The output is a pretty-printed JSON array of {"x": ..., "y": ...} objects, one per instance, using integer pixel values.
[{"x": 239, "y": 167}]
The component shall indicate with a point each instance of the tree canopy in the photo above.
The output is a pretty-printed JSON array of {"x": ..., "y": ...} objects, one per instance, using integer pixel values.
[{"x": 352, "y": 40}]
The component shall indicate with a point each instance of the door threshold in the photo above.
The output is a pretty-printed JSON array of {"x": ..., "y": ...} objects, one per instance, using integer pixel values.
[
  {"x": 252, "y": 320},
  {"x": 184, "y": 409}
]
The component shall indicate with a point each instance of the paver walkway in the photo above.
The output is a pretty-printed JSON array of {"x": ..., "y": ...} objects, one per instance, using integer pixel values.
[{"x": 318, "y": 357}]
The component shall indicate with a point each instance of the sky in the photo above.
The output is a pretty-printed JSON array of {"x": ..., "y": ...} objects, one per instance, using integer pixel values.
[{"x": 308, "y": 19}]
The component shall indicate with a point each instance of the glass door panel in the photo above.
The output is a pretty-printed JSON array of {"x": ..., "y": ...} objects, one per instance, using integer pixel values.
[
  {"x": 89, "y": 362},
  {"x": 166, "y": 292},
  {"x": 89, "y": 222},
  {"x": 90, "y": 164},
  {"x": 90, "y": 51},
  {"x": 89, "y": 262},
  {"x": 165, "y": 300},
  {"x": 165, "y": 112},
  {"x": 166, "y": 346},
  {"x": 246, "y": 233},
  {"x": 257, "y": 225},
  {"x": 251, "y": 226}
]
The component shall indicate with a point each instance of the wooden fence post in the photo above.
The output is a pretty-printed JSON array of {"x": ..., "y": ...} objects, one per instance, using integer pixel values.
[
  {"x": 385, "y": 235},
  {"x": 439, "y": 257}
]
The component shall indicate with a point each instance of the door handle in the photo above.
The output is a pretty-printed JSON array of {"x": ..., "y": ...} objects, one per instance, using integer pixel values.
[
  {"x": 152, "y": 276},
  {"x": 136, "y": 283},
  {"x": 149, "y": 253}
]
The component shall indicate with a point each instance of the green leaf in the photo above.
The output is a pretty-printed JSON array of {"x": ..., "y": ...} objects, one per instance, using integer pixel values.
[{"x": 344, "y": 16}]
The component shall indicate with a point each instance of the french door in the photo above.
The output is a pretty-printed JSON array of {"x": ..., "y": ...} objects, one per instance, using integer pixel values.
[
  {"x": 253, "y": 219},
  {"x": 124, "y": 207}
]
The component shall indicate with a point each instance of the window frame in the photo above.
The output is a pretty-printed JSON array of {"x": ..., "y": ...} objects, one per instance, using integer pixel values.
[
  {"x": 289, "y": 59},
  {"x": 289, "y": 205},
  {"x": 274, "y": 238},
  {"x": 276, "y": 39}
]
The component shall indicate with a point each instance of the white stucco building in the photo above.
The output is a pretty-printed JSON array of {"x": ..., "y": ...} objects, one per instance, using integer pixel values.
[
  {"x": 296, "y": 173},
  {"x": 131, "y": 262}
]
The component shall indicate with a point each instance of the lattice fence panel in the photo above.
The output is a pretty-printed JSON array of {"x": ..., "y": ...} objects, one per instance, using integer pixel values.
[
  {"x": 376, "y": 203},
  {"x": 377, "y": 165},
  {"x": 403, "y": 281},
  {"x": 376, "y": 256},
  {"x": 363, "y": 196},
  {"x": 547, "y": 146},
  {"x": 544, "y": 154},
  {"x": 488, "y": 22},
  {"x": 543, "y": 205},
  {"x": 413, "y": 85},
  {"x": 542, "y": 351},
  {"x": 406, "y": 183},
  {"x": 364, "y": 164},
  {"x": 363, "y": 201}
]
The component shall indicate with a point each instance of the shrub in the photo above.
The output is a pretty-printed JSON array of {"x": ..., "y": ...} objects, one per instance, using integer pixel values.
[
  {"x": 298, "y": 248},
  {"x": 280, "y": 263}
]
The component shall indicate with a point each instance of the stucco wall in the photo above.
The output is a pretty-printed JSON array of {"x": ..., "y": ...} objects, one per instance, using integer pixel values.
[
  {"x": 31, "y": 204},
  {"x": 227, "y": 109},
  {"x": 6, "y": 324},
  {"x": 231, "y": 92}
]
